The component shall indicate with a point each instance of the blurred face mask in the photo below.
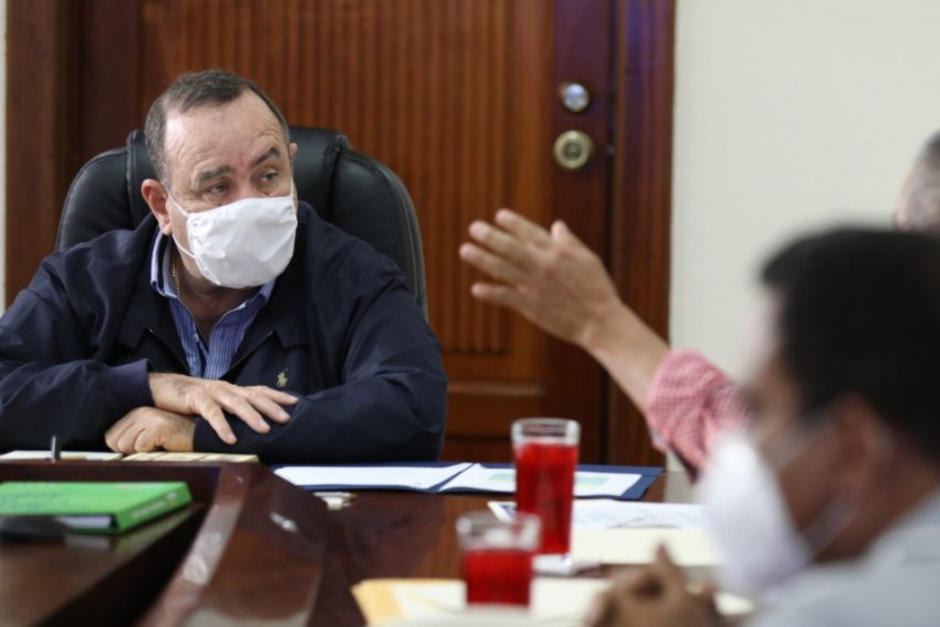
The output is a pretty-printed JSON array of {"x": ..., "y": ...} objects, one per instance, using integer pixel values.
[
  {"x": 242, "y": 244},
  {"x": 749, "y": 518}
]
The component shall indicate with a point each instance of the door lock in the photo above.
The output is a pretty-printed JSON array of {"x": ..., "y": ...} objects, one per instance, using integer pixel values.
[{"x": 573, "y": 149}]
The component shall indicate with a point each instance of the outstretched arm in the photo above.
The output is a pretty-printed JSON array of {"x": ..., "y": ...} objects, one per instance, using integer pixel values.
[{"x": 557, "y": 282}]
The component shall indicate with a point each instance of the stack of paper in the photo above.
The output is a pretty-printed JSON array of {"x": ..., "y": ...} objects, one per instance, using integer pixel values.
[
  {"x": 91, "y": 456},
  {"x": 106, "y": 456}
]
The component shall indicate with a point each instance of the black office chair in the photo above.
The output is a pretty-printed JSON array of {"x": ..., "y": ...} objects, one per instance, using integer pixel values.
[{"x": 353, "y": 191}]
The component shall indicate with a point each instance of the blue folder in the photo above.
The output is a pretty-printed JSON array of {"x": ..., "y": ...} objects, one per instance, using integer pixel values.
[{"x": 648, "y": 475}]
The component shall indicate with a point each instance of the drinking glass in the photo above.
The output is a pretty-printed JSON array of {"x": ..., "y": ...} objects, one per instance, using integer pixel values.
[
  {"x": 497, "y": 557},
  {"x": 546, "y": 454}
]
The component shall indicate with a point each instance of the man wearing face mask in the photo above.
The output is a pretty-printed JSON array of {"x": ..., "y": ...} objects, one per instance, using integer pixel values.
[
  {"x": 828, "y": 507},
  {"x": 233, "y": 320}
]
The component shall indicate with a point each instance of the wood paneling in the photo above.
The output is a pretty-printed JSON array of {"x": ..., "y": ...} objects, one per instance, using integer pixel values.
[
  {"x": 642, "y": 185},
  {"x": 41, "y": 149},
  {"x": 581, "y": 52}
]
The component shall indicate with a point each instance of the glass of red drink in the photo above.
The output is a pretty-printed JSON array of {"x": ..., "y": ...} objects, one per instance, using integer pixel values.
[
  {"x": 546, "y": 454},
  {"x": 497, "y": 557}
]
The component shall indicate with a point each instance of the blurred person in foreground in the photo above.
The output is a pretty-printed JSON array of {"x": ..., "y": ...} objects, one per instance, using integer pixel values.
[{"x": 827, "y": 507}]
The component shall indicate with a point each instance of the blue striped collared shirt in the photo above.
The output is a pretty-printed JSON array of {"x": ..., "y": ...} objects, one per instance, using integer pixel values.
[{"x": 213, "y": 359}]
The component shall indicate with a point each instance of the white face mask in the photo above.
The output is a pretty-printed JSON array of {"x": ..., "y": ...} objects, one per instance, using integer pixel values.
[
  {"x": 749, "y": 518},
  {"x": 242, "y": 244},
  {"x": 748, "y": 515}
]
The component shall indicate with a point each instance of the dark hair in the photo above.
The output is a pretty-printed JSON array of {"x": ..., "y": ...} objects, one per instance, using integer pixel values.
[
  {"x": 860, "y": 314},
  {"x": 194, "y": 89}
]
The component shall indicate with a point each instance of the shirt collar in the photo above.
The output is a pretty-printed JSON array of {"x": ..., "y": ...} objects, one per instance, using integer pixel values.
[{"x": 160, "y": 270}]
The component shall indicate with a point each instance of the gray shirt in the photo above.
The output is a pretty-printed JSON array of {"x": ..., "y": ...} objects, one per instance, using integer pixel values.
[{"x": 897, "y": 582}]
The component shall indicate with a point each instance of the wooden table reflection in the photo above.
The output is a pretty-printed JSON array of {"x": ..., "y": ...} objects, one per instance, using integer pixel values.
[{"x": 251, "y": 548}]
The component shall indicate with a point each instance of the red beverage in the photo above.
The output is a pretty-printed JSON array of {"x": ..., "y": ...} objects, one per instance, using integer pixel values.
[
  {"x": 498, "y": 576},
  {"x": 545, "y": 487}
]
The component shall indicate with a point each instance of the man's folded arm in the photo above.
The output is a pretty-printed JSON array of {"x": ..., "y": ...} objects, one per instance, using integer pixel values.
[
  {"x": 394, "y": 416},
  {"x": 391, "y": 405},
  {"x": 49, "y": 386}
]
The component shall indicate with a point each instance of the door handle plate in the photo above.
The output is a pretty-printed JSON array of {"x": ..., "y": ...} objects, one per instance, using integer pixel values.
[{"x": 573, "y": 149}]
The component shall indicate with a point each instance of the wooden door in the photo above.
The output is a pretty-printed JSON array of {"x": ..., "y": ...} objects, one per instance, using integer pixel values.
[{"x": 459, "y": 97}]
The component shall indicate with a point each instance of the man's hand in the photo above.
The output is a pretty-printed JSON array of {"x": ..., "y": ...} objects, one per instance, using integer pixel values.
[
  {"x": 551, "y": 278},
  {"x": 188, "y": 396},
  {"x": 555, "y": 281},
  {"x": 654, "y": 596},
  {"x": 148, "y": 429}
]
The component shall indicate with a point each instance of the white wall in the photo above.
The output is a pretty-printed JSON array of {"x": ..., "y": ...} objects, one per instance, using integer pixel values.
[{"x": 789, "y": 114}]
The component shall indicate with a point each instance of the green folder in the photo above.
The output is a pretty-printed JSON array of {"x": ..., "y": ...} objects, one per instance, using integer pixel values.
[{"x": 93, "y": 506}]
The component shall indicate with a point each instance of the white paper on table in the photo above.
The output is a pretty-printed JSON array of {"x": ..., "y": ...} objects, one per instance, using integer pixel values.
[
  {"x": 90, "y": 456},
  {"x": 611, "y": 514},
  {"x": 481, "y": 479},
  {"x": 687, "y": 547},
  {"x": 413, "y": 477},
  {"x": 555, "y": 600}
]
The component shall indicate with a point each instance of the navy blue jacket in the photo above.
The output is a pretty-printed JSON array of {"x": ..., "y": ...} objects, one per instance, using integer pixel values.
[{"x": 341, "y": 327}]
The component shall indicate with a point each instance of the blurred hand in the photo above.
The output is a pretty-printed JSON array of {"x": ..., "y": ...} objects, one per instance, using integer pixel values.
[
  {"x": 654, "y": 596},
  {"x": 148, "y": 429},
  {"x": 189, "y": 396},
  {"x": 551, "y": 278}
]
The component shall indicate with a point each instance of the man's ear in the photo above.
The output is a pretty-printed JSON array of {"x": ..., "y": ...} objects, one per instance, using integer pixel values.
[
  {"x": 155, "y": 195},
  {"x": 292, "y": 152},
  {"x": 866, "y": 448}
]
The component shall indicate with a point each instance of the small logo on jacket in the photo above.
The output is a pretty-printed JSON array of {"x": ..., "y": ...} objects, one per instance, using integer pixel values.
[{"x": 282, "y": 379}]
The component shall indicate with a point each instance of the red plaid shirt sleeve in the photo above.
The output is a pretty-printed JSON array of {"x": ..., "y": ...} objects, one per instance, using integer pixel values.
[{"x": 689, "y": 402}]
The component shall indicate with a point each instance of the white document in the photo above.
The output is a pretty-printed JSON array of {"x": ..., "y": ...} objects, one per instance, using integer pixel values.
[
  {"x": 480, "y": 479},
  {"x": 611, "y": 514},
  {"x": 90, "y": 456},
  {"x": 409, "y": 477},
  {"x": 688, "y": 547}
]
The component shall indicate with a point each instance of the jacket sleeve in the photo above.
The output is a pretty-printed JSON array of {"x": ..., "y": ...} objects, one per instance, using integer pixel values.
[
  {"x": 390, "y": 406},
  {"x": 49, "y": 384}
]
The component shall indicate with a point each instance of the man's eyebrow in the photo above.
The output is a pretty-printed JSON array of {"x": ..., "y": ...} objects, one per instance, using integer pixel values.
[
  {"x": 208, "y": 175},
  {"x": 272, "y": 152}
]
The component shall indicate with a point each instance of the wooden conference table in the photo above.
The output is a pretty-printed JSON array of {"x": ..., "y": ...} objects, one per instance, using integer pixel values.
[{"x": 251, "y": 548}]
